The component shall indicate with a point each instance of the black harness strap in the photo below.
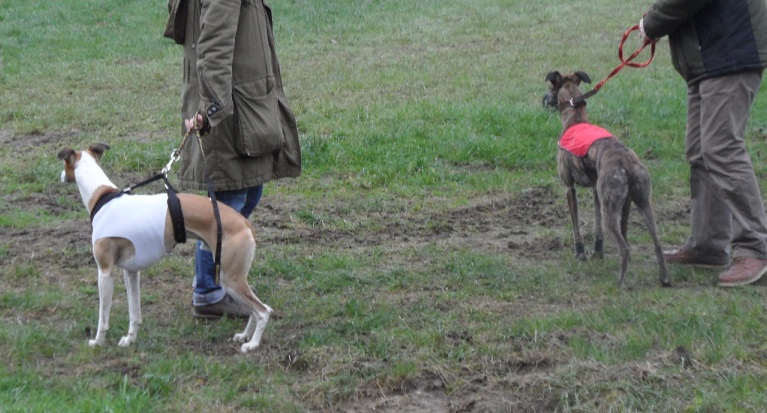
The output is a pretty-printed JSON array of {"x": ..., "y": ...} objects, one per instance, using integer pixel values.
[
  {"x": 216, "y": 213},
  {"x": 176, "y": 215},
  {"x": 174, "y": 205},
  {"x": 103, "y": 201},
  {"x": 219, "y": 231},
  {"x": 147, "y": 181}
]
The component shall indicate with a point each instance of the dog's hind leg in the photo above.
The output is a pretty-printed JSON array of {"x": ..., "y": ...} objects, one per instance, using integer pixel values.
[
  {"x": 255, "y": 329},
  {"x": 614, "y": 196},
  {"x": 133, "y": 287},
  {"x": 612, "y": 224},
  {"x": 238, "y": 252},
  {"x": 625, "y": 219},
  {"x": 642, "y": 197},
  {"x": 599, "y": 243},
  {"x": 259, "y": 317},
  {"x": 649, "y": 220}
]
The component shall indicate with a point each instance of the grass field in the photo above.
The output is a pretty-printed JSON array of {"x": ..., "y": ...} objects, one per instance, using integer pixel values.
[{"x": 422, "y": 262}]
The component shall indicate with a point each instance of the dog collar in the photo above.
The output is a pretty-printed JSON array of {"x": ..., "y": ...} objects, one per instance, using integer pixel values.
[
  {"x": 103, "y": 201},
  {"x": 572, "y": 103}
]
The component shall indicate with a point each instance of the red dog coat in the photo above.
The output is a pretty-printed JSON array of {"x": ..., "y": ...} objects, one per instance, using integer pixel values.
[{"x": 577, "y": 139}]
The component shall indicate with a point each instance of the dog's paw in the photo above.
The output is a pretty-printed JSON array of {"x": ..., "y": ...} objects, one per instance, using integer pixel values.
[
  {"x": 581, "y": 256},
  {"x": 248, "y": 347},
  {"x": 597, "y": 255},
  {"x": 94, "y": 343},
  {"x": 240, "y": 338},
  {"x": 126, "y": 341}
]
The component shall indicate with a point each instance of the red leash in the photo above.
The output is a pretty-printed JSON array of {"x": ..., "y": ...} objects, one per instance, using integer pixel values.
[{"x": 624, "y": 63}]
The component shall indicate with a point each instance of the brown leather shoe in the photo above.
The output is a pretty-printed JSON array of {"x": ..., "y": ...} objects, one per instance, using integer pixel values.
[
  {"x": 227, "y": 307},
  {"x": 743, "y": 271},
  {"x": 686, "y": 257}
]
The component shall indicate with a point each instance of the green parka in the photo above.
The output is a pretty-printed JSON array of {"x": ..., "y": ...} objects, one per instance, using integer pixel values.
[
  {"x": 711, "y": 38},
  {"x": 232, "y": 76}
]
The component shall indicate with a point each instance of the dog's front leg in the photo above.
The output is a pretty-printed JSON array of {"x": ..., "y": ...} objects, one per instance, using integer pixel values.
[
  {"x": 106, "y": 289},
  {"x": 133, "y": 287},
  {"x": 572, "y": 204},
  {"x": 599, "y": 237}
]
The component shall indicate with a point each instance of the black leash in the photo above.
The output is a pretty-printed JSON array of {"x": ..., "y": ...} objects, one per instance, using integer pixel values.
[
  {"x": 174, "y": 205},
  {"x": 214, "y": 202}
]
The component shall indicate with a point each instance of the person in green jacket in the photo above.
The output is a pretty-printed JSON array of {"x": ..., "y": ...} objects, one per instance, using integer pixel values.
[
  {"x": 720, "y": 49},
  {"x": 232, "y": 88}
]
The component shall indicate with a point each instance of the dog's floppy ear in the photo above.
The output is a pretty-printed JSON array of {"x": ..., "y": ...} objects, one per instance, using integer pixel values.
[
  {"x": 66, "y": 153},
  {"x": 98, "y": 149},
  {"x": 554, "y": 77},
  {"x": 583, "y": 76}
]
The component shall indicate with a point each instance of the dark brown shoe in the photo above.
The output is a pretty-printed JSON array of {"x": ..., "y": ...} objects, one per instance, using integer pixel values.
[
  {"x": 227, "y": 307},
  {"x": 743, "y": 271},
  {"x": 684, "y": 256}
]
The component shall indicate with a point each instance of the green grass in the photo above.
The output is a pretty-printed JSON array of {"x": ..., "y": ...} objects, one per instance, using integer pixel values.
[{"x": 424, "y": 254}]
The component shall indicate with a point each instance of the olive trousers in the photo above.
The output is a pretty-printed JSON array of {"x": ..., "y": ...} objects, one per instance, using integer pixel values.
[{"x": 727, "y": 211}]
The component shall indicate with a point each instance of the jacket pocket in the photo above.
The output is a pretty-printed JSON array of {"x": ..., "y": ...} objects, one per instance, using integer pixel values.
[{"x": 258, "y": 128}]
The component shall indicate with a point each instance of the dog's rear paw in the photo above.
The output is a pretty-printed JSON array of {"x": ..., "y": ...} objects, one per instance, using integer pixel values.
[
  {"x": 248, "y": 347},
  {"x": 240, "y": 338},
  {"x": 126, "y": 341},
  {"x": 94, "y": 343}
]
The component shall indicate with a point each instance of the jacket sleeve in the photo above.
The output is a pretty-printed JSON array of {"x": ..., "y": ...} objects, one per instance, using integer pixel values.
[
  {"x": 215, "y": 49},
  {"x": 666, "y": 15}
]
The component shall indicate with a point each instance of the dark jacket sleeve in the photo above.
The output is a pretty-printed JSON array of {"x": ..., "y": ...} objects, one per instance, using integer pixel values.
[
  {"x": 215, "y": 49},
  {"x": 665, "y": 16}
]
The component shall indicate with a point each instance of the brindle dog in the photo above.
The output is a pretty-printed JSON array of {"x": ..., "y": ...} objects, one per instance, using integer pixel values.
[{"x": 613, "y": 171}]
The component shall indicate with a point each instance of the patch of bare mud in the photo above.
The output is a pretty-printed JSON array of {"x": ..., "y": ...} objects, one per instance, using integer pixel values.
[
  {"x": 35, "y": 138},
  {"x": 536, "y": 382},
  {"x": 506, "y": 224}
]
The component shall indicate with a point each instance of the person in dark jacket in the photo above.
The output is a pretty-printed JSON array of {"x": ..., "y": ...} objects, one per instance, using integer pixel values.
[
  {"x": 720, "y": 49},
  {"x": 233, "y": 89}
]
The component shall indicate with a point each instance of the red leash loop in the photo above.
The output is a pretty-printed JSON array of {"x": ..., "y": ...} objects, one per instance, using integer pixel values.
[{"x": 628, "y": 61}]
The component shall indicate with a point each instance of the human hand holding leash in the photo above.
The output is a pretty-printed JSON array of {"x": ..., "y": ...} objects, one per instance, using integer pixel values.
[{"x": 199, "y": 123}]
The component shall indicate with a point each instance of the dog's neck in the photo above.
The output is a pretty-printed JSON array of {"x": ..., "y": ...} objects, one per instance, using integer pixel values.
[
  {"x": 572, "y": 115},
  {"x": 91, "y": 180}
]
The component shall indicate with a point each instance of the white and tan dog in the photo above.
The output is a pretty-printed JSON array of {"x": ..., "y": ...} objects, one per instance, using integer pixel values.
[{"x": 110, "y": 249}]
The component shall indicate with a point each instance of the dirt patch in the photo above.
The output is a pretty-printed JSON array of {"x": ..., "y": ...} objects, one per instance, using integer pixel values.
[
  {"x": 425, "y": 394},
  {"x": 529, "y": 383},
  {"x": 509, "y": 223},
  {"x": 35, "y": 138}
]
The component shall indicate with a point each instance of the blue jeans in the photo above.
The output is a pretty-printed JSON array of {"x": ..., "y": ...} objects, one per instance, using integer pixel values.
[{"x": 206, "y": 290}]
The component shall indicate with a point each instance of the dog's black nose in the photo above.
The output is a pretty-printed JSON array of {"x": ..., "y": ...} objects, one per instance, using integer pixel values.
[{"x": 549, "y": 101}]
